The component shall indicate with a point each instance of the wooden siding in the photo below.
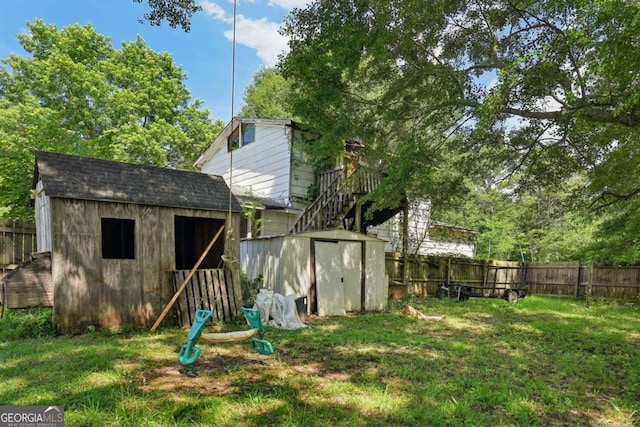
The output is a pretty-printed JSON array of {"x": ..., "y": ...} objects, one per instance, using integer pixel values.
[
  {"x": 90, "y": 290},
  {"x": 43, "y": 219},
  {"x": 29, "y": 285},
  {"x": 263, "y": 166}
]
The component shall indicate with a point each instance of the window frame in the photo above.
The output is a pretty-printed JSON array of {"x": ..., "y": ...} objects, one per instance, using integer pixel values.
[
  {"x": 242, "y": 135},
  {"x": 117, "y": 238}
]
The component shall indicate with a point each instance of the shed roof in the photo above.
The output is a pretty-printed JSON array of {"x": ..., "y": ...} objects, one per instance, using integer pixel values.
[{"x": 85, "y": 178}]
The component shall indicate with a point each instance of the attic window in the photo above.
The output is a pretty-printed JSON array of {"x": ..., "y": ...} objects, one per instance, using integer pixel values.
[
  {"x": 248, "y": 133},
  {"x": 118, "y": 238}
]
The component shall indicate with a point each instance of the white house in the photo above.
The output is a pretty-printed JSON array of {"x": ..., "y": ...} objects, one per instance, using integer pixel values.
[{"x": 263, "y": 163}]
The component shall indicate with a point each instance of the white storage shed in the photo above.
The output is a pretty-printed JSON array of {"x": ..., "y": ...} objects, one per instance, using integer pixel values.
[{"x": 337, "y": 270}]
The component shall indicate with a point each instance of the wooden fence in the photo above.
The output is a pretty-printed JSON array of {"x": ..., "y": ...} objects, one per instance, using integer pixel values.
[
  {"x": 17, "y": 241},
  {"x": 574, "y": 279},
  {"x": 218, "y": 290},
  {"x": 428, "y": 273}
]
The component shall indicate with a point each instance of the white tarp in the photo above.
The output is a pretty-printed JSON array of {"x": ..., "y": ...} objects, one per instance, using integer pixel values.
[{"x": 278, "y": 311}]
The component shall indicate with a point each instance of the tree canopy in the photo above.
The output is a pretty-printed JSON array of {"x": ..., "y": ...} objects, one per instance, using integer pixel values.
[
  {"x": 75, "y": 93},
  {"x": 545, "y": 91},
  {"x": 176, "y": 12},
  {"x": 267, "y": 96}
]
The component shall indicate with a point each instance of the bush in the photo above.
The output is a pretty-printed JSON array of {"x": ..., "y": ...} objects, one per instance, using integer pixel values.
[
  {"x": 27, "y": 323},
  {"x": 250, "y": 288}
]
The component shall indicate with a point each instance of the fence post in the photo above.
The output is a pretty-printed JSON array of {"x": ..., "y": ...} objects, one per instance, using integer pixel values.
[
  {"x": 405, "y": 245},
  {"x": 589, "y": 287},
  {"x": 577, "y": 290},
  {"x": 485, "y": 272}
]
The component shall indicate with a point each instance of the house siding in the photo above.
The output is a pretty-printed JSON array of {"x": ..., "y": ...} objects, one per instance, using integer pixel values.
[
  {"x": 422, "y": 241},
  {"x": 268, "y": 167},
  {"x": 277, "y": 222},
  {"x": 262, "y": 166},
  {"x": 302, "y": 174}
]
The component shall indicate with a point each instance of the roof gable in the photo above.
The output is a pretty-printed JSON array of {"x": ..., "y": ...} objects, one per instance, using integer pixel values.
[
  {"x": 221, "y": 140},
  {"x": 84, "y": 178}
]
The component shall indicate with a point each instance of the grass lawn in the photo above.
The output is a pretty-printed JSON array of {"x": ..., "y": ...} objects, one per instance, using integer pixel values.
[{"x": 540, "y": 362}]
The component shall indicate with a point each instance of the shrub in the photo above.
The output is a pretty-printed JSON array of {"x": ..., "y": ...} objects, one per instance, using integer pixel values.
[{"x": 26, "y": 323}]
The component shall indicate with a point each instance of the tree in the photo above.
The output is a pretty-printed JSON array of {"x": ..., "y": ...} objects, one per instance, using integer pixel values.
[
  {"x": 74, "y": 93},
  {"x": 176, "y": 12},
  {"x": 267, "y": 95},
  {"x": 540, "y": 224},
  {"x": 543, "y": 89}
]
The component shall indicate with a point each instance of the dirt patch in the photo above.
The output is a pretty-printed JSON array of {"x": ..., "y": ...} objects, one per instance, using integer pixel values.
[{"x": 218, "y": 370}]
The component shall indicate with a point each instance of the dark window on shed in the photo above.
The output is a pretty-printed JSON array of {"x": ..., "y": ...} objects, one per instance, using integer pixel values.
[
  {"x": 192, "y": 236},
  {"x": 118, "y": 238}
]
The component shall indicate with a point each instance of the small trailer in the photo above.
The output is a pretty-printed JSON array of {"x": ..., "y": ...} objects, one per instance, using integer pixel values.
[{"x": 501, "y": 282}]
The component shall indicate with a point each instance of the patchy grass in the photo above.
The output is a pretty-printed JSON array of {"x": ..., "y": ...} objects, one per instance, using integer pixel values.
[{"x": 540, "y": 362}]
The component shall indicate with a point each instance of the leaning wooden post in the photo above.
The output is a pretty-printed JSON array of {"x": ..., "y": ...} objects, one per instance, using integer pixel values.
[{"x": 186, "y": 280}]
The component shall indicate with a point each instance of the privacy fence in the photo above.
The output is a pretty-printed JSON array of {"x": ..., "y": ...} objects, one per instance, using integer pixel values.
[
  {"x": 427, "y": 273},
  {"x": 17, "y": 241}
]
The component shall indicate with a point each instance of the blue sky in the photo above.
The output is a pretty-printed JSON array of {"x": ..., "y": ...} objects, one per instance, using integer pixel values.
[{"x": 204, "y": 53}]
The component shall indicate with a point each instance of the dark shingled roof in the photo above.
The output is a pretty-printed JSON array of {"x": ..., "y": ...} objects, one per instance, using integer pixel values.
[{"x": 84, "y": 178}]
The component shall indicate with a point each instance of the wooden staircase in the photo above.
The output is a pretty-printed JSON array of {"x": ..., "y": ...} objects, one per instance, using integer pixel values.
[{"x": 339, "y": 203}]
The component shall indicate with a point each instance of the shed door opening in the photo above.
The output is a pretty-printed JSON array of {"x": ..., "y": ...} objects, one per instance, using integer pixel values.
[{"x": 193, "y": 235}]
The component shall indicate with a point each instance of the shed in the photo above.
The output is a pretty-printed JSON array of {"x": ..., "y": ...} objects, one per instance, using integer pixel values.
[
  {"x": 117, "y": 232},
  {"x": 29, "y": 284},
  {"x": 337, "y": 270}
]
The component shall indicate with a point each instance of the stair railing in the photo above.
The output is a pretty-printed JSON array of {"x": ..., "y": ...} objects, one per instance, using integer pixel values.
[{"x": 336, "y": 194}]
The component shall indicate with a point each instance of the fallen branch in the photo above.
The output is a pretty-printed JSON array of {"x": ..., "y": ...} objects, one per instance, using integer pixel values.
[{"x": 410, "y": 311}]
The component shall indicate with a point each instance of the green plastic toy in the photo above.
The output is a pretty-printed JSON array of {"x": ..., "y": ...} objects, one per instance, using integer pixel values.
[
  {"x": 190, "y": 352},
  {"x": 259, "y": 344}
]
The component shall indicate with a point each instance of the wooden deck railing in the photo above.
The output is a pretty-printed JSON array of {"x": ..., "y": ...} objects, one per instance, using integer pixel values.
[{"x": 337, "y": 195}]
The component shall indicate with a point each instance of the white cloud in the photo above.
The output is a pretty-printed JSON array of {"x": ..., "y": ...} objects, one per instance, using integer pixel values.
[
  {"x": 257, "y": 33},
  {"x": 261, "y": 35},
  {"x": 290, "y": 4},
  {"x": 213, "y": 9}
]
